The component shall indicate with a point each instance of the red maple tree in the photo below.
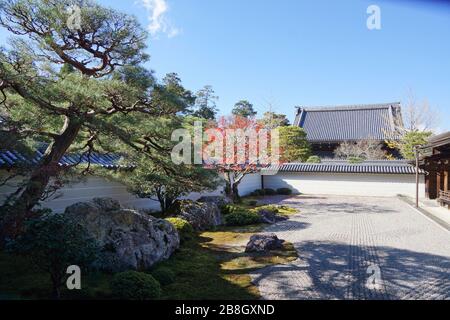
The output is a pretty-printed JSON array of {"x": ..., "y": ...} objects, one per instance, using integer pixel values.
[{"x": 238, "y": 146}]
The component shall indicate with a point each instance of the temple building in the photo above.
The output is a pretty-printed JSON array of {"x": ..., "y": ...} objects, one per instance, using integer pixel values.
[
  {"x": 435, "y": 160},
  {"x": 328, "y": 127}
]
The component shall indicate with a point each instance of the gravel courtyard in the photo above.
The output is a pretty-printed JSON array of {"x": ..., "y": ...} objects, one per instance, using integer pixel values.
[{"x": 342, "y": 241}]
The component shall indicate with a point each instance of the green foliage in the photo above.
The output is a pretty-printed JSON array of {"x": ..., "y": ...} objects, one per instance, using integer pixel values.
[
  {"x": 411, "y": 139},
  {"x": 269, "y": 207},
  {"x": 184, "y": 228},
  {"x": 272, "y": 120},
  {"x": 205, "y": 103},
  {"x": 284, "y": 191},
  {"x": 241, "y": 217},
  {"x": 269, "y": 192},
  {"x": 252, "y": 203},
  {"x": 164, "y": 275},
  {"x": 244, "y": 109},
  {"x": 166, "y": 181},
  {"x": 54, "y": 242},
  {"x": 355, "y": 160},
  {"x": 314, "y": 159},
  {"x": 293, "y": 144},
  {"x": 133, "y": 285},
  {"x": 83, "y": 90},
  {"x": 257, "y": 192}
]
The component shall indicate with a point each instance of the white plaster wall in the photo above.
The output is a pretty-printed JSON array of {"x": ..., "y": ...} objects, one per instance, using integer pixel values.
[
  {"x": 94, "y": 187},
  {"x": 347, "y": 184}
]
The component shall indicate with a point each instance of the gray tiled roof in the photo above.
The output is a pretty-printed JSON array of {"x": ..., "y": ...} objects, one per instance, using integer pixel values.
[
  {"x": 350, "y": 123},
  {"x": 340, "y": 166},
  {"x": 10, "y": 158}
]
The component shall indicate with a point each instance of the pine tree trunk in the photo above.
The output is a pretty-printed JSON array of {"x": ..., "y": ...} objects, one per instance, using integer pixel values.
[{"x": 39, "y": 179}]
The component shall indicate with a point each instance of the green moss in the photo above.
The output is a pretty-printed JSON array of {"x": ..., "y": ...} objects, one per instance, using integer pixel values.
[
  {"x": 211, "y": 265},
  {"x": 184, "y": 228}
]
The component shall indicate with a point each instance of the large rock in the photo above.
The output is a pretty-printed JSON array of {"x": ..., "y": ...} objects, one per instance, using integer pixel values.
[
  {"x": 270, "y": 217},
  {"x": 129, "y": 239},
  {"x": 264, "y": 243},
  {"x": 220, "y": 201},
  {"x": 202, "y": 216}
]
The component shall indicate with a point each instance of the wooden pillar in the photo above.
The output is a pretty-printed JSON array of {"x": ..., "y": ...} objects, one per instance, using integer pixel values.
[
  {"x": 431, "y": 185},
  {"x": 439, "y": 181},
  {"x": 446, "y": 188}
]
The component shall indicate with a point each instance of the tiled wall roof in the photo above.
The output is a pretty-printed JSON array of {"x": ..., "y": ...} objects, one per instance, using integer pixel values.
[
  {"x": 339, "y": 166},
  {"x": 10, "y": 158}
]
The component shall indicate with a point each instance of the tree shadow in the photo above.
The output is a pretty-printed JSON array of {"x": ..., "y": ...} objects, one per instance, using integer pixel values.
[
  {"x": 339, "y": 208},
  {"x": 288, "y": 225},
  {"x": 330, "y": 270}
]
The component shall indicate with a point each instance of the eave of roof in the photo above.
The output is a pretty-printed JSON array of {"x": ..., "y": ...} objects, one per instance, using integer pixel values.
[
  {"x": 438, "y": 140},
  {"x": 339, "y": 166}
]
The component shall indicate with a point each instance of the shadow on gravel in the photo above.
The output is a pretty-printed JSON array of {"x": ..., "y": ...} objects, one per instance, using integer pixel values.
[
  {"x": 290, "y": 225},
  {"x": 329, "y": 270},
  {"x": 339, "y": 208}
]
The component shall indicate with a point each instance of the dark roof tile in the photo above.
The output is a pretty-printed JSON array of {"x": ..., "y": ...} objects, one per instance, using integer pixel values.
[
  {"x": 350, "y": 123},
  {"x": 340, "y": 166}
]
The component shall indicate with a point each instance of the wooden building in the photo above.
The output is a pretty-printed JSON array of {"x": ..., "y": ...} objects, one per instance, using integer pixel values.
[
  {"x": 435, "y": 160},
  {"x": 328, "y": 127}
]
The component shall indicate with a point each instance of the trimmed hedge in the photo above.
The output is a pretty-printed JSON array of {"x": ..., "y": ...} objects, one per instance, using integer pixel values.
[
  {"x": 133, "y": 285},
  {"x": 184, "y": 228},
  {"x": 269, "y": 192},
  {"x": 242, "y": 218},
  {"x": 284, "y": 191},
  {"x": 164, "y": 276},
  {"x": 257, "y": 192}
]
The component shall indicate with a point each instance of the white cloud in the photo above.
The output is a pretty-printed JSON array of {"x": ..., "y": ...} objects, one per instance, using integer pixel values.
[{"x": 158, "y": 22}]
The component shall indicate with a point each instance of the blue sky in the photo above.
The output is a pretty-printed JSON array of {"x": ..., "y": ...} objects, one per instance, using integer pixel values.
[{"x": 298, "y": 52}]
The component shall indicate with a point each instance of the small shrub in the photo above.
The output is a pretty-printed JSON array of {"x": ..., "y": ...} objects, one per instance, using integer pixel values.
[
  {"x": 54, "y": 242},
  {"x": 229, "y": 208},
  {"x": 184, "y": 228},
  {"x": 355, "y": 160},
  {"x": 269, "y": 192},
  {"x": 284, "y": 191},
  {"x": 252, "y": 203},
  {"x": 164, "y": 276},
  {"x": 270, "y": 207},
  {"x": 133, "y": 285},
  {"x": 314, "y": 159},
  {"x": 242, "y": 218},
  {"x": 257, "y": 193}
]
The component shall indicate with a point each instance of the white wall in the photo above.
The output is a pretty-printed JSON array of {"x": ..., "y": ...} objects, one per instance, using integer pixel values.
[
  {"x": 346, "y": 183},
  {"x": 307, "y": 183},
  {"x": 250, "y": 183},
  {"x": 99, "y": 187}
]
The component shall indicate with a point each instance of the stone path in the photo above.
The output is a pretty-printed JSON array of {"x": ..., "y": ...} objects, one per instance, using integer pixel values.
[{"x": 358, "y": 248}]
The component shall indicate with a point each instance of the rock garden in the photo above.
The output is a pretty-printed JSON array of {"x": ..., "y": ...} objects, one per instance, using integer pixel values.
[{"x": 198, "y": 249}]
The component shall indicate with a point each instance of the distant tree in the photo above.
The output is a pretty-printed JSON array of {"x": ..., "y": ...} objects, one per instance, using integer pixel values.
[
  {"x": 364, "y": 149},
  {"x": 53, "y": 243},
  {"x": 419, "y": 121},
  {"x": 205, "y": 103},
  {"x": 244, "y": 109},
  {"x": 293, "y": 144},
  {"x": 313, "y": 159},
  {"x": 410, "y": 140},
  {"x": 272, "y": 120}
]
